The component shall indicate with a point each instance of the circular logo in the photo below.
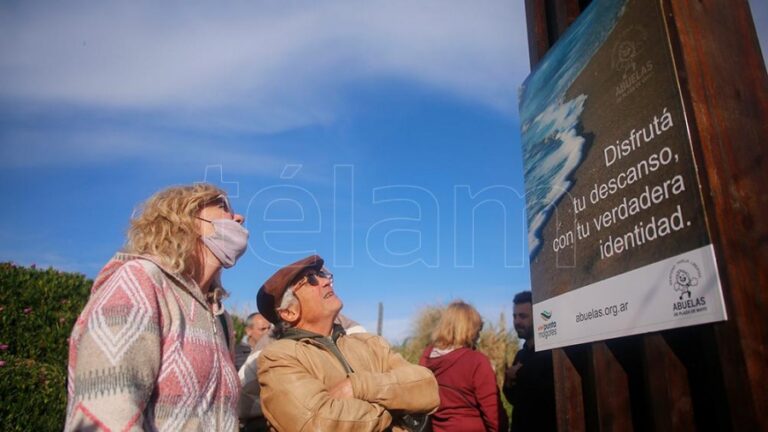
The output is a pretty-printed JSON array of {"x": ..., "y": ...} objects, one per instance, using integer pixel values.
[
  {"x": 631, "y": 44},
  {"x": 683, "y": 277}
]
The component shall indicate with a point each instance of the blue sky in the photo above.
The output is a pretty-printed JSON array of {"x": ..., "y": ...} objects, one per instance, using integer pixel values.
[{"x": 381, "y": 135}]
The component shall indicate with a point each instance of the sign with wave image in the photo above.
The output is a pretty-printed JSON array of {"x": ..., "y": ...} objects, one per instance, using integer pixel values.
[{"x": 612, "y": 192}]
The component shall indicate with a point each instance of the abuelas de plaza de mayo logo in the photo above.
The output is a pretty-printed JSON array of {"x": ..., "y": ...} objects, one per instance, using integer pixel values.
[
  {"x": 548, "y": 329},
  {"x": 627, "y": 59},
  {"x": 685, "y": 278}
]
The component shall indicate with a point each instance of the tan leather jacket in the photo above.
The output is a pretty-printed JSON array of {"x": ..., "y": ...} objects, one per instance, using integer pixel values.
[{"x": 295, "y": 375}]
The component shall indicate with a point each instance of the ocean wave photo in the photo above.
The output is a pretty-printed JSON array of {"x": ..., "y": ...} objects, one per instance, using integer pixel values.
[{"x": 553, "y": 147}]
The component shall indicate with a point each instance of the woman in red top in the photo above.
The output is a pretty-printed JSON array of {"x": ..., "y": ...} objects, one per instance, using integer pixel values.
[{"x": 469, "y": 396}]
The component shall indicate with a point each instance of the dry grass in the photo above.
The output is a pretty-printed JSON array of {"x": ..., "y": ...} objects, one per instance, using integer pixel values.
[{"x": 496, "y": 341}]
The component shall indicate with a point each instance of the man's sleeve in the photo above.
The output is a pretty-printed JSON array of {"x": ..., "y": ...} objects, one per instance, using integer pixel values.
[
  {"x": 509, "y": 388},
  {"x": 294, "y": 400},
  {"x": 402, "y": 386},
  {"x": 115, "y": 354}
]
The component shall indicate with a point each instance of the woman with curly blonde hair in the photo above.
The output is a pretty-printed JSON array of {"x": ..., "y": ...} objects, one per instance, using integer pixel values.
[
  {"x": 147, "y": 351},
  {"x": 469, "y": 396}
]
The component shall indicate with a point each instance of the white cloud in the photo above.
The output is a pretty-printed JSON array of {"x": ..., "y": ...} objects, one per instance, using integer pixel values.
[
  {"x": 32, "y": 147},
  {"x": 264, "y": 66}
]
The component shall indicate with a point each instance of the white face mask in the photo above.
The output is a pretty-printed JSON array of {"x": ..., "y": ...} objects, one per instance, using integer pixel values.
[{"x": 228, "y": 241}]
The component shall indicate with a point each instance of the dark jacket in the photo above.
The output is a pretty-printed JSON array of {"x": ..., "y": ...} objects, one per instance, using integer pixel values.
[{"x": 533, "y": 393}]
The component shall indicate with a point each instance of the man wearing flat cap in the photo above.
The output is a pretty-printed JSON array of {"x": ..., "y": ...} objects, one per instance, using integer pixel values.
[{"x": 316, "y": 377}]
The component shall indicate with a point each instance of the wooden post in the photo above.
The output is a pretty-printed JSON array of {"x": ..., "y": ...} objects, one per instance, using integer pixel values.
[
  {"x": 538, "y": 36},
  {"x": 712, "y": 376},
  {"x": 569, "y": 397},
  {"x": 611, "y": 391},
  {"x": 723, "y": 71},
  {"x": 667, "y": 382},
  {"x": 380, "y": 321},
  {"x": 546, "y": 21}
]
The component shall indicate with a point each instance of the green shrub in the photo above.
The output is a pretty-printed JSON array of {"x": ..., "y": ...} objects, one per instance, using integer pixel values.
[
  {"x": 38, "y": 309},
  {"x": 239, "y": 325},
  {"x": 34, "y": 395}
]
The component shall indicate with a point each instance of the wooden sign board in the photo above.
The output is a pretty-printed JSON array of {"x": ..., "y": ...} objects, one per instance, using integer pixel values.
[{"x": 618, "y": 237}]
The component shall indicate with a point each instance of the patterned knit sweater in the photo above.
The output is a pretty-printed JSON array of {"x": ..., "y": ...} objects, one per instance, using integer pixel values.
[{"x": 147, "y": 354}]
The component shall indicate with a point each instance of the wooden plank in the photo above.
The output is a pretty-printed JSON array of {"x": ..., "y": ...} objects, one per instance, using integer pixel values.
[
  {"x": 697, "y": 349},
  {"x": 565, "y": 12},
  {"x": 538, "y": 38},
  {"x": 568, "y": 396},
  {"x": 583, "y": 4},
  {"x": 629, "y": 353},
  {"x": 666, "y": 378},
  {"x": 726, "y": 90},
  {"x": 611, "y": 391}
]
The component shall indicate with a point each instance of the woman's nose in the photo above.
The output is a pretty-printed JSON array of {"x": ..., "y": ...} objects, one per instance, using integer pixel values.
[{"x": 239, "y": 218}]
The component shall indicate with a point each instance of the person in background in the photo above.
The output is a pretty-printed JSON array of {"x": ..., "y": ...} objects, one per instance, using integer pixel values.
[
  {"x": 529, "y": 384},
  {"x": 256, "y": 326},
  {"x": 249, "y": 407},
  {"x": 317, "y": 377},
  {"x": 147, "y": 353},
  {"x": 469, "y": 394}
]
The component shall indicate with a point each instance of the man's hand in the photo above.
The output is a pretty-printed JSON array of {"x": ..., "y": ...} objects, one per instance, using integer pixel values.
[
  {"x": 342, "y": 390},
  {"x": 510, "y": 375}
]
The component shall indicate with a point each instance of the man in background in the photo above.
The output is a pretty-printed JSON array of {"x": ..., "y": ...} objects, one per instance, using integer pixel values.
[
  {"x": 529, "y": 383},
  {"x": 256, "y": 326}
]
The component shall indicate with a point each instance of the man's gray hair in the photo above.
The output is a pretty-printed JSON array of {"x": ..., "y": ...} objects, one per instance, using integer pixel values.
[
  {"x": 249, "y": 320},
  {"x": 289, "y": 299}
]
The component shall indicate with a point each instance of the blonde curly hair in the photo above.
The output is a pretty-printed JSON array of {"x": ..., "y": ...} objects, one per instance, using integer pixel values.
[
  {"x": 459, "y": 326},
  {"x": 165, "y": 227}
]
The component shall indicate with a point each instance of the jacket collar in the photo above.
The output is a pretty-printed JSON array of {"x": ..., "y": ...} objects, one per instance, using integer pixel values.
[
  {"x": 188, "y": 285},
  {"x": 299, "y": 334},
  {"x": 328, "y": 343}
]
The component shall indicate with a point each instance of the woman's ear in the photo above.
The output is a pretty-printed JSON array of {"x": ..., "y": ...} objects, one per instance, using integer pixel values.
[{"x": 291, "y": 314}]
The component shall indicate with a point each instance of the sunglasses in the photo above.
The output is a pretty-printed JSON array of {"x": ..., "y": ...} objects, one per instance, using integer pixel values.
[
  {"x": 311, "y": 277},
  {"x": 223, "y": 202},
  {"x": 220, "y": 201}
]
